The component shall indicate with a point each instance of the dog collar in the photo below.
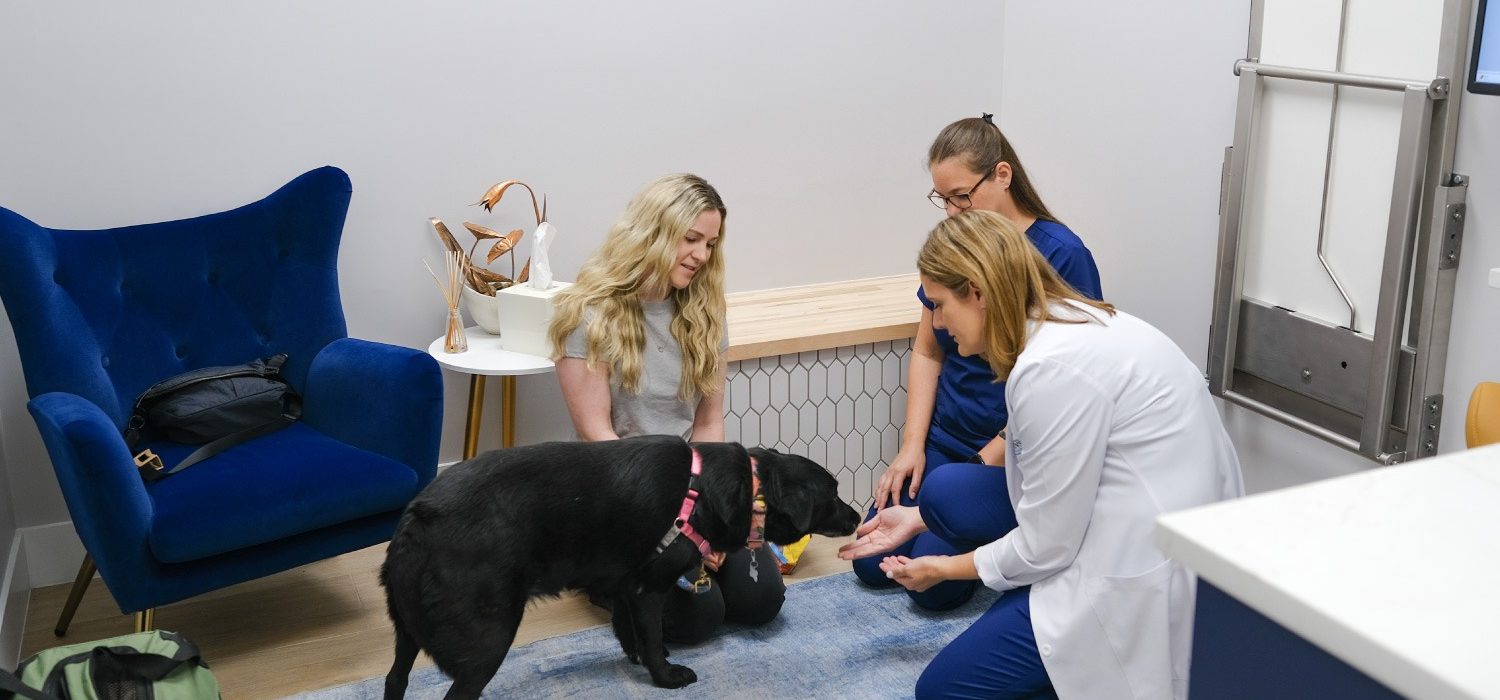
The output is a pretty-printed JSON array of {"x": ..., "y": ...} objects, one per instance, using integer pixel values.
[{"x": 757, "y": 509}]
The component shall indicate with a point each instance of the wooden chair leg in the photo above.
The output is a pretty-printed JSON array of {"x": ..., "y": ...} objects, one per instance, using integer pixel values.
[
  {"x": 145, "y": 620},
  {"x": 80, "y": 584}
]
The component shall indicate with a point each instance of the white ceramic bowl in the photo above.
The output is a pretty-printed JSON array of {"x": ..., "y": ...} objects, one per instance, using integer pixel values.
[{"x": 483, "y": 310}]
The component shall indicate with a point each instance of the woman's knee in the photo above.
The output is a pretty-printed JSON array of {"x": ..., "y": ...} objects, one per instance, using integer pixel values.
[
  {"x": 690, "y": 618},
  {"x": 868, "y": 571},
  {"x": 943, "y": 486},
  {"x": 757, "y": 609},
  {"x": 752, "y": 586},
  {"x": 966, "y": 505},
  {"x": 944, "y": 596},
  {"x": 942, "y": 496},
  {"x": 757, "y": 603},
  {"x": 935, "y": 684},
  {"x": 995, "y": 658}
]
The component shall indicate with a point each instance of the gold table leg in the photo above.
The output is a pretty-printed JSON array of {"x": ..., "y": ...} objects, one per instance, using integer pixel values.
[
  {"x": 508, "y": 411},
  {"x": 145, "y": 620},
  {"x": 476, "y": 408}
]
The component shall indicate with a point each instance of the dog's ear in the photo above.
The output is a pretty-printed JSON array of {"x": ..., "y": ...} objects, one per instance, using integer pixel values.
[
  {"x": 725, "y": 494},
  {"x": 790, "y": 505}
]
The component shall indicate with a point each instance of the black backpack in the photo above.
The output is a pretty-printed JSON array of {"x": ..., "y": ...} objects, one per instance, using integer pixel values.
[{"x": 219, "y": 406}]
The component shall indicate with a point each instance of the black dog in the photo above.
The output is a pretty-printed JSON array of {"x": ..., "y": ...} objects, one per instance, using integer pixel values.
[{"x": 509, "y": 525}]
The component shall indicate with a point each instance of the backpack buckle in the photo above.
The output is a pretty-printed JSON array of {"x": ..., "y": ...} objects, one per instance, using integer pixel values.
[{"x": 148, "y": 464}]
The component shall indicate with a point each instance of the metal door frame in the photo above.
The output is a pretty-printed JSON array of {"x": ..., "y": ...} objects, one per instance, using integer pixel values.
[{"x": 1393, "y": 412}]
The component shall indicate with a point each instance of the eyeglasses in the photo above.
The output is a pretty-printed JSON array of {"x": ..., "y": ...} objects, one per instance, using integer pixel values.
[{"x": 962, "y": 201}]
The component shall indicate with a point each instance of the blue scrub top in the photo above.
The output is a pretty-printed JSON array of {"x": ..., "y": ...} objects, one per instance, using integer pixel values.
[{"x": 970, "y": 409}]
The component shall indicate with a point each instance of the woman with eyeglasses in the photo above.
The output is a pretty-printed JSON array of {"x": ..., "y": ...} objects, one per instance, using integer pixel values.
[
  {"x": 955, "y": 407},
  {"x": 1111, "y": 426}
]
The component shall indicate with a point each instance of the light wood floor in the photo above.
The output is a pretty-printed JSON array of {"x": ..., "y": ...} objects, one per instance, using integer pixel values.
[{"x": 317, "y": 626}]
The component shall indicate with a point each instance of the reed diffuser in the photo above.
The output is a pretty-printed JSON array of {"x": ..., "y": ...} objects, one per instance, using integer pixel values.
[{"x": 451, "y": 287}]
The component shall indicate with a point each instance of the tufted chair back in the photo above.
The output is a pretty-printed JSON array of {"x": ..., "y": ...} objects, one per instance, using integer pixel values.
[{"x": 105, "y": 314}]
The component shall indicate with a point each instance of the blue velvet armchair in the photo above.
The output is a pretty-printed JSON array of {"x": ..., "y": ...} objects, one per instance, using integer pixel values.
[{"x": 101, "y": 315}]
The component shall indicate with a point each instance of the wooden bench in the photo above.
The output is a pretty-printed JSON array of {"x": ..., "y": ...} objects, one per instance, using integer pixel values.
[{"x": 821, "y": 316}]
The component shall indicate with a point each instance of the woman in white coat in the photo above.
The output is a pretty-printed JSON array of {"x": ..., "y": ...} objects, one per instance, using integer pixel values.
[{"x": 1110, "y": 426}]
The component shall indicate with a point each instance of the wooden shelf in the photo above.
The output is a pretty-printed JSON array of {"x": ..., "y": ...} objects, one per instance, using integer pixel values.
[{"x": 789, "y": 320}]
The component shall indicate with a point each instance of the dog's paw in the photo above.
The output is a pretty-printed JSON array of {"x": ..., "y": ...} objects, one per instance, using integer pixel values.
[{"x": 675, "y": 676}]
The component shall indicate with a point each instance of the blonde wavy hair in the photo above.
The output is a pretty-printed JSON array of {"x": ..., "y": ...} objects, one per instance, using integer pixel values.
[
  {"x": 987, "y": 250},
  {"x": 636, "y": 260}
]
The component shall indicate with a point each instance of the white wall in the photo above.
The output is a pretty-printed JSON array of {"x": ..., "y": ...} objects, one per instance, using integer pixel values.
[
  {"x": 1122, "y": 112},
  {"x": 1472, "y": 352},
  {"x": 812, "y": 119}
]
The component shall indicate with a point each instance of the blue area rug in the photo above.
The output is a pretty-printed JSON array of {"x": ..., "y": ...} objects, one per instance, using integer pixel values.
[{"x": 834, "y": 638}]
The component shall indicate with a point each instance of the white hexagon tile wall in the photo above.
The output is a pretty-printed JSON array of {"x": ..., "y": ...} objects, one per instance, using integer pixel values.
[{"x": 842, "y": 408}]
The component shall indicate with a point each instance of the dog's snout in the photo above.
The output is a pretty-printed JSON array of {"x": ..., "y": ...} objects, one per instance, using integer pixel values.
[{"x": 844, "y": 521}]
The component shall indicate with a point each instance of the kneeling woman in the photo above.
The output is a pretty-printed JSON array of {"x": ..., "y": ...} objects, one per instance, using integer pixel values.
[
  {"x": 1110, "y": 426},
  {"x": 639, "y": 342}
]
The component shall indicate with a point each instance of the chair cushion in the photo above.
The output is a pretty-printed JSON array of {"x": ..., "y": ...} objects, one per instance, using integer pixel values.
[{"x": 292, "y": 481}]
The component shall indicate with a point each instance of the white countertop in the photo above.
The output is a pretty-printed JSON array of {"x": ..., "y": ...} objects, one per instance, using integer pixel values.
[{"x": 1395, "y": 570}]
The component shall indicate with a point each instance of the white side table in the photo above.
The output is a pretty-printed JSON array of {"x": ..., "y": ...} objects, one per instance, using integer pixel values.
[{"x": 486, "y": 358}]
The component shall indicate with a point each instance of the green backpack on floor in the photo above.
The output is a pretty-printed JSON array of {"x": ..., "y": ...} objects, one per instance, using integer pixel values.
[{"x": 143, "y": 666}]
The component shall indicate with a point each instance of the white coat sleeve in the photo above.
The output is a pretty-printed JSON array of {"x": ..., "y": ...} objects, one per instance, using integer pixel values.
[{"x": 1062, "y": 421}]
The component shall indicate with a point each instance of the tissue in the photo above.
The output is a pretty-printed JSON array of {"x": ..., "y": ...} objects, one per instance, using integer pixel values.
[{"x": 541, "y": 267}]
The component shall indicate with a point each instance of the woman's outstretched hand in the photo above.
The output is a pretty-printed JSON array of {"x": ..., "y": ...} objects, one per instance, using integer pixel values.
[{"x": 889, "y": 529}]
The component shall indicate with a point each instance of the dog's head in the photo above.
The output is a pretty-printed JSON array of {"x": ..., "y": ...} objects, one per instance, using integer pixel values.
[{"x": 801, "y": 498}]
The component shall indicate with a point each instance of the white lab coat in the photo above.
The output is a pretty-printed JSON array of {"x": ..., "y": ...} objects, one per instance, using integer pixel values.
[{"x": 1110, "y": 426}]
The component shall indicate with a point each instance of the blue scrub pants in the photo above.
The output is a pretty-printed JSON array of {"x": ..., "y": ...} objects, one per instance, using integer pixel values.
[{"x": 966, "y": 506}]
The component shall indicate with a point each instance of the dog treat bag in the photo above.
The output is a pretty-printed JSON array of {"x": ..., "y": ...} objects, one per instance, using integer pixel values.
[{"x": 541, "y": 267}]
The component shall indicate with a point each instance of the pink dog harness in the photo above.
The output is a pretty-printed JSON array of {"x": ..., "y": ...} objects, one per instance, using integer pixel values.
[{"x": 682, "y": 526}]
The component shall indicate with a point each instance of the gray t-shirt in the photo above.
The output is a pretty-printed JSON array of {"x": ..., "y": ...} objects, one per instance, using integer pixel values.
[{"x": 656, "y": 410}]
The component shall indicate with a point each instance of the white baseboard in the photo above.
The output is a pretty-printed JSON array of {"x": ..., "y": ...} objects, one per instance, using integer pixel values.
[
  {"x": 53, "y": 553},
  {"x": 15, "y": 593}
]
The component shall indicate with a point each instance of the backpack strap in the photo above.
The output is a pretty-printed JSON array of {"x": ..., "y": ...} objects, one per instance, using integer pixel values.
[
  {"x": 291, "y": 411},
  {"x": 10, "y": 684},
  {"x": 126, "y": 662},
  {"x": 149, "y": 464},
  {"x": 56, "y": 683}
]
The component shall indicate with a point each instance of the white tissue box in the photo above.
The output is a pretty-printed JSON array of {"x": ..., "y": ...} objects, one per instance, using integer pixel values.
[{"x": 525, "y": 314}]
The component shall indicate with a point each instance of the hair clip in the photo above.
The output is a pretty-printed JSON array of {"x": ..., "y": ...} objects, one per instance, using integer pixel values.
[{"x": 988, "y": 118}]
